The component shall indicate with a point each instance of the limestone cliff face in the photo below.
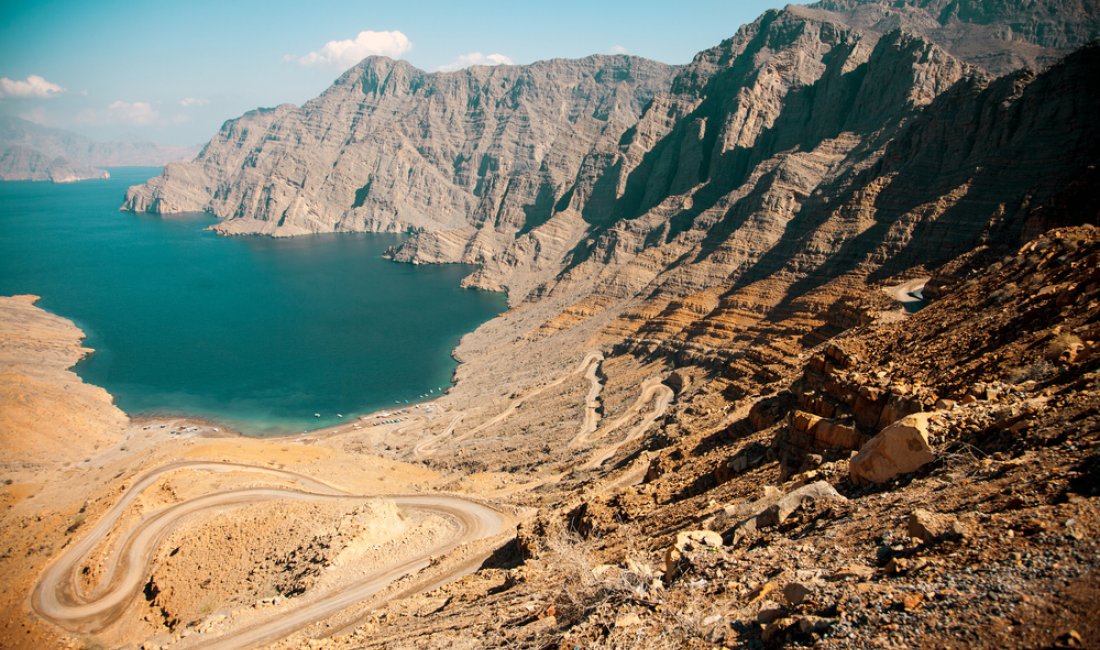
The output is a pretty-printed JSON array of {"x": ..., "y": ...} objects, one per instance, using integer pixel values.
[
  {"x": 816, "y": 142},
  {"x": 987, "y": 162},
  {"x": 389, "y": 147},
  {"x": 999, "y": 36},
  {"x": 471, "y": 159}
]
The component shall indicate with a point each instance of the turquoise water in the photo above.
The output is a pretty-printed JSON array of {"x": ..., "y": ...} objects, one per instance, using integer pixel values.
[{"x": 256, "y": 332}]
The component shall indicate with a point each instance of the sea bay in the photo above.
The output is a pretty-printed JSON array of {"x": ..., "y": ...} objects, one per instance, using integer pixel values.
[{"x": 260, "y": 333}]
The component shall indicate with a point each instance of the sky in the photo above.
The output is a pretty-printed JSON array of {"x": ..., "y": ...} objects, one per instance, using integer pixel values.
[{"x": 171, "y": 71}]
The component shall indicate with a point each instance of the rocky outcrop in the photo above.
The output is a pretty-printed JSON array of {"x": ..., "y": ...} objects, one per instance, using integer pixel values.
[
  {"x": 998, "y": 36},
  {"x": 686, "y": 542},
  {"x": 771, "y": 510},
  {"x": 898, "y": 449},
  {"x": 471, "y": 159},
  {"x": 984, "y": 162}
]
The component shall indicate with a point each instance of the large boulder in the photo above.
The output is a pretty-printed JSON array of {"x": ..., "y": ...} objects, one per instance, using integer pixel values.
[
  {"x": 687, "y": 541},
  {"x": 898, "y": 449},
  {"x": 932, "y": 527},
  {"x": 772, "y": 509}
]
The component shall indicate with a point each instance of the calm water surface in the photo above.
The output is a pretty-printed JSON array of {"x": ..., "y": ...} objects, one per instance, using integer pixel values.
[{"x": 257, "y": 332}]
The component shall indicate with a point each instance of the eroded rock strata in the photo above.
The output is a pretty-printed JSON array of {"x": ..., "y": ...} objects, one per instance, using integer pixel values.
[
  {"x": 803, "y": 350},
  {"x": 528, "y": 170}
]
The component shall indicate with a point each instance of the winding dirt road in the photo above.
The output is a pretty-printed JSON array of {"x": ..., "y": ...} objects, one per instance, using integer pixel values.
[
  {"x": 592, "y": 403},
  {"x": 652, "y": 389},
  {"x": 591, "y": 359},
  {"x": 58, "y": 598},
  {"x": 908, "y": 291}
]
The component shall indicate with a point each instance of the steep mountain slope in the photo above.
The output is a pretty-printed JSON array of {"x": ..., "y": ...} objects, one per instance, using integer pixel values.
[
  {"x": 984, "y": 161},
  {"x": 389, "y": 147},
  {"x": 529, "y": 170},
  {"x": 989, "y": 543},
  {"x": 30, "y": 151},
  {"x": 708, "y": 405},
  {"x": 999, "y": 36}
]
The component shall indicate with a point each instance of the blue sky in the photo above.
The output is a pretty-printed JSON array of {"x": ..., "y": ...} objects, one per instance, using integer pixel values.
[{"x": 173, "y": 71}]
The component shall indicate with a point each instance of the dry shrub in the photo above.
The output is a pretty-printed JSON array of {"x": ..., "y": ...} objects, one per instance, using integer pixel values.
[
  {"x": 1064, "y": 347},
  {"x": 580, "y": 585},
  {"x": 1037, "y": 371}
]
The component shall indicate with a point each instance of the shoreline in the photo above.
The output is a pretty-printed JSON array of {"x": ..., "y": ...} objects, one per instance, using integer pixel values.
[
  {"x": 230, "y": 428},
  {"x": 206, "y": 466}
]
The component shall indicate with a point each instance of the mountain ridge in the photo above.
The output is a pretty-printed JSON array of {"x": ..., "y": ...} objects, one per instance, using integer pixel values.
[
  {"x": 519, "y": 214},
  {"x": 803, "y": 349},
  {"x": 30, "y": 151}
]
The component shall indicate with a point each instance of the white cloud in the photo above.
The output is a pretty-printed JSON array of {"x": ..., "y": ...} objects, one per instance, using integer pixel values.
[
  {"x": 133, "y": 112},
  {"x": 32, "y": 86},
  {"x": 188, "y": 102},
  {"x": 475, "y": 58},
  {"x": 348, "y": 52},
  {"x": 618, "y": 49}
]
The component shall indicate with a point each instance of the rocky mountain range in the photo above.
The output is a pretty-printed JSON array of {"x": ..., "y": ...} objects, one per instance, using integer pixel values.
[
  {"x": 530, "y": 171},
  {"x": 32, "y": 152},
  {"x": 804, "y": 350}
]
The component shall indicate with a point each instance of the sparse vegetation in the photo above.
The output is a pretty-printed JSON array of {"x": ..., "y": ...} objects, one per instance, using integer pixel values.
[
  {"x": 77, "y": 522},
  {"x": 1038, "y": 371},
  {"x": 1063, "y": 347},
  {"x": 582, "y": 583}
]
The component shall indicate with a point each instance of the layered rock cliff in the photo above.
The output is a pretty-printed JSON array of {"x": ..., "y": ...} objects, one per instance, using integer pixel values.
[
  {"x": 999, "y": 36},
  {"x": 389, "y": 147},
  {"x": 622, "y": 177},
  {"x": 984, "y": 162}
]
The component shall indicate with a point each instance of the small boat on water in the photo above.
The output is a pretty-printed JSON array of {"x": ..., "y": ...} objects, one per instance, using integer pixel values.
[{"x": 316, "y": 415}]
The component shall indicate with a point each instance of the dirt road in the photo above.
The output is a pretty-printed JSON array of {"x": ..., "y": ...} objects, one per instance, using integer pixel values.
[{"x": 57, "y": 597}]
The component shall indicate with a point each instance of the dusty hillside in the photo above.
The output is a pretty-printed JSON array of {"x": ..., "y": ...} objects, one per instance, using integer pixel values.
[
  {"x": 803, "y": 350},
  {"x": 987, "y": 541}
]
